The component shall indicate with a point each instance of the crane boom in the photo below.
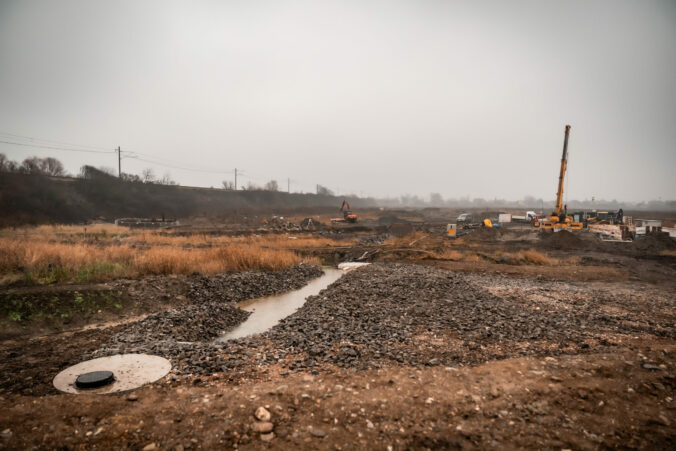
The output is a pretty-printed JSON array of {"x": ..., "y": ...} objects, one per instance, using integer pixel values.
[{"x": 562, "y": 174}]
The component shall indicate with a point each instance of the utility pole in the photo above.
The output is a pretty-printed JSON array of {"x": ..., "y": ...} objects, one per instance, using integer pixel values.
[
  {"x": 288, "y": 185},
  {"x": 235, "y": 179},
  {"x": 119, "y": 162}
]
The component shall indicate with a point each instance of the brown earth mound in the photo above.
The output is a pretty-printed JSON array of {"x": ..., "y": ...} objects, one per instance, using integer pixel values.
[
  {"x": 562, "y": 240},
  {"x": 654, "y": 243},
  {"x": 485, "y": 234}
]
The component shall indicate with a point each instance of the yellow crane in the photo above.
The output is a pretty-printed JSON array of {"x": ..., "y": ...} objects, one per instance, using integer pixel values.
[{"x": 559, "y": 218}]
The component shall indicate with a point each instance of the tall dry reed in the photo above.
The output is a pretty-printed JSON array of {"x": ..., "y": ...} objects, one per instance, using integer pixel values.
[{"x": 42, "y": 258}]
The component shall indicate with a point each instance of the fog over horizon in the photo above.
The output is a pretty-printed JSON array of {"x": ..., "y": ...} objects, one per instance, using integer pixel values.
[{"x": 464, "y": 99}]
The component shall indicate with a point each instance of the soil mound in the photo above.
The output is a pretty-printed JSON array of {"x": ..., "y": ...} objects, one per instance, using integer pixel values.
[
  {"x": 485, "y": 234},
  {"x": 654, "y": 243},
  {"x": 562, "y": 240}
]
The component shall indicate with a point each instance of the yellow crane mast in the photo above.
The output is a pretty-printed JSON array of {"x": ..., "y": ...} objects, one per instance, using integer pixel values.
[{"x": 559, "y": 218}]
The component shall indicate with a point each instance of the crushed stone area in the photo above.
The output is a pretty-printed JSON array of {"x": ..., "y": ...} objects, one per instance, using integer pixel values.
[
  {"x": 387, "y": 314},
  {"x": 212, "y": 313},
  {"x": 422, "y": 315}
]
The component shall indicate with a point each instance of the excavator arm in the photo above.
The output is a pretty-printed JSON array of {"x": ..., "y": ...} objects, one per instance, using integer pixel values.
[{"x": 345, "y": 206}]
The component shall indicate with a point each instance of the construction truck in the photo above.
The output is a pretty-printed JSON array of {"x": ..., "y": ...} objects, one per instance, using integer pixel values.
[
  {"x": 348, "y": 216},
  {"x": 559, "y": 218}
]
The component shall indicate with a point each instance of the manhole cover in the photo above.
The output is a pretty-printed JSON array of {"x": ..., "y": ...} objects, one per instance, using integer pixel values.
[
  {"x": 113, "y": 374},
  {"x": 94, "y": 379}
]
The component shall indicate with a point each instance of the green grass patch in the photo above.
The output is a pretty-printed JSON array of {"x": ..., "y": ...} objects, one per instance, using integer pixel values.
[
  {"x": 60, "y": 307},
  {"x": 99, "y": 271}
]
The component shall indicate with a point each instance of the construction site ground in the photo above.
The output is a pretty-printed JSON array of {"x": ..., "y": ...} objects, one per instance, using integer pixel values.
[{"x": 499, "y": 339}]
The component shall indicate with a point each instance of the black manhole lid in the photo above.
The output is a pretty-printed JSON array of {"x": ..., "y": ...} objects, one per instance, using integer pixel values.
[{"x": 94, "y": 379}]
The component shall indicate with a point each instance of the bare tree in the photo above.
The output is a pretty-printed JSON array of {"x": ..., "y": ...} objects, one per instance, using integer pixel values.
[
  {"x": 227, "y": 185},
  {"x": 42, "y": 166},
  {"x": 147, "y": 175},
  {"x": 251, "y": 187},
  {"x": 31, "y": 165},
  {"x": 166, "y": 180},
  {"x": 52, "y": 166},
  {"x": 7, "y": 165},
  {"x": 131, "y": 178},
  {"x": 272, "y": 185},
  {"x": 324, "y": 191}
]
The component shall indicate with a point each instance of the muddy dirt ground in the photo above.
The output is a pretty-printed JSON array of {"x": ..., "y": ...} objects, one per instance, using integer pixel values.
[{"x": 414, "y": 351}]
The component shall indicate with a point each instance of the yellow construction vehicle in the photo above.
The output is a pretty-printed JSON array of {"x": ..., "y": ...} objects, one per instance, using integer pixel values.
[{"x": 559, "y": 218}]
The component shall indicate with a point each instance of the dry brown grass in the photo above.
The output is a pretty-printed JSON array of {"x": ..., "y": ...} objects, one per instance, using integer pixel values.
[
  {"x": 530, "y": 257},
  {"x": 450, "y": 254},
  {"x": 668, "y": 253},
  {"x": 411, "y": 239},
  {"x": 108, "y": 234},
  {"x": 49, "y": 254},
  {"x": 533, "y": 257}
]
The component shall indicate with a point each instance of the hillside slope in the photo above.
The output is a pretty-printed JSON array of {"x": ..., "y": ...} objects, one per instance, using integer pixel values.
[{"x": 36, "y": 199}]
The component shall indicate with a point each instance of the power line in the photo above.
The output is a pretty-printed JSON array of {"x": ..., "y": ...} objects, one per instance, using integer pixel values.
[
  {"x": 170, "y": 163},
  {"x": 41, "y": 143},
  {"x": 50, "y": 141},
  {"x": 179, "y": 167},
  {"x": 56, "y": 148}
]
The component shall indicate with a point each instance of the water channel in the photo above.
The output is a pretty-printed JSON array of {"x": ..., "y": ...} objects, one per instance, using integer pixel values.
[{"x": 268, "y": 311}]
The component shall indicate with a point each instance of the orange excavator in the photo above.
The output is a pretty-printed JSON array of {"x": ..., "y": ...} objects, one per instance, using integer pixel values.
[
  {"x": 559, "y": 218},
  {"x": 347, "y": 212}
]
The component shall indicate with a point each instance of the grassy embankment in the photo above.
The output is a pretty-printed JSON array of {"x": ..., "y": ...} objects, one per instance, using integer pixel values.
[{"x": 54, "y": 254}]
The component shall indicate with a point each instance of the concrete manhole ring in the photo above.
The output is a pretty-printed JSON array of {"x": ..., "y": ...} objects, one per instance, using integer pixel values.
[{"x": 129, "y": 371}]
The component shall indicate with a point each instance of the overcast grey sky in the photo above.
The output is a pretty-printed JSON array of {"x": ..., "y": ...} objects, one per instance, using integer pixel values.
[{"x": 369, "y": 97}]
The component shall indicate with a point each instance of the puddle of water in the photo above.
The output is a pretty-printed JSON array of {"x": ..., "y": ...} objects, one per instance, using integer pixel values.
[{"x": 270, "y": 310}]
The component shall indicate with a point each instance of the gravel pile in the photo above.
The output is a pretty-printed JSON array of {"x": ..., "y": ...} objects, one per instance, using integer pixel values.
[
  {"x": 237, "y": 287},
  {"x": 421, "y": 315},
  {"x": 416, "y": 315},
  {"x": 212, "y": 311}
]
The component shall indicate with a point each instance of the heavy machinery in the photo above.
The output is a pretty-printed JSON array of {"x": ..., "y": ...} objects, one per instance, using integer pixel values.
[
  {"x": 347, "y": 212},
  {"x": 605, "y": 217},
  {"x": 559, "y": 218}
]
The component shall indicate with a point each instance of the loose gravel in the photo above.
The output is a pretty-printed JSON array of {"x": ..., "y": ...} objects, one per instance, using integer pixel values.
[
  {"x": 212, "y": 312},
  {"x": 416, "y": 315}
]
